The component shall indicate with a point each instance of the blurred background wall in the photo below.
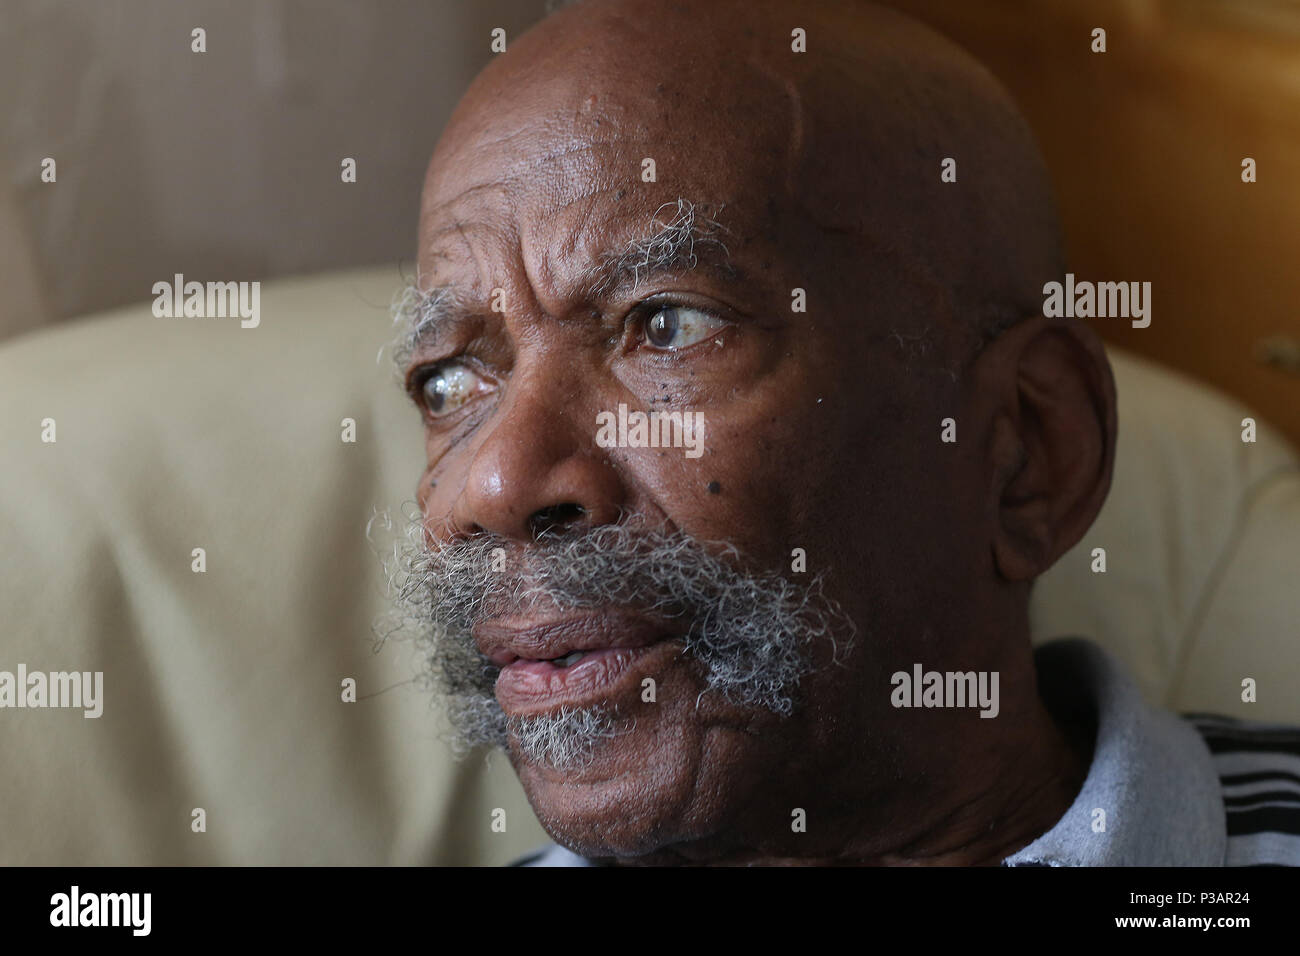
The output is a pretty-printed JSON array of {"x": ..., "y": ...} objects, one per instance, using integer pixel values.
[
  {"x": 1145, "y": 143},
  {"x": 226, "y": 164},
  {"x": 223, "y": 164}
]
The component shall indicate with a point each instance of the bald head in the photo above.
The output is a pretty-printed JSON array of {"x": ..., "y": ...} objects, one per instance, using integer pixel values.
[
  {"x": 652, "y": 208},
  {"x": 835, "y": 152}
]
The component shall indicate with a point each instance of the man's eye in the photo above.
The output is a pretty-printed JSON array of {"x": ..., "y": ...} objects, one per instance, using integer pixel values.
[
  {"x": 677, "y": 327},
  {"x": 449, "y": 386}
]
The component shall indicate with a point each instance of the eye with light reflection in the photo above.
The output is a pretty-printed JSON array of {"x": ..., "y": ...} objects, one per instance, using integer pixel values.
[
  {"x": 677, "y": 327},
  {"x": 448, "y": 387}
]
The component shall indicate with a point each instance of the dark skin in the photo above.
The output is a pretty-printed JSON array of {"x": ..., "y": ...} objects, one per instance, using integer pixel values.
[{"x": 822, "y": 426}]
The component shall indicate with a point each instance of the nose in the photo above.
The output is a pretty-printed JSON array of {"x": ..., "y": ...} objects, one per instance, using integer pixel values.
[{"x": 539, "y": 469}]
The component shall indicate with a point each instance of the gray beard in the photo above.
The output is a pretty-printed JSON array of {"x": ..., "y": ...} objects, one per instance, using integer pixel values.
[{"x": 752, "y": 632}]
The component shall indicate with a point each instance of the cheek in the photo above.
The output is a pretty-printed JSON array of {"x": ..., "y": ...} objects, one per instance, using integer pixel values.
[
  {"x": 778, "y": 471},
  {"x": 737, "y": 490},
  {"x": 424, "y": 490},
  {"x": 758, "y": 460},
  {"x": 446, "y": 470}
]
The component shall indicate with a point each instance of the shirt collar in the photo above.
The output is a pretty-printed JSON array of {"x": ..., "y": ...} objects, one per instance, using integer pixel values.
[{"x": 1151, "y": 797}]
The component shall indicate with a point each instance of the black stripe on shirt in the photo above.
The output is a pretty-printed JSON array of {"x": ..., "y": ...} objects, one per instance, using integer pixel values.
[
  {"x": 1225, "y": 745},
  {"x": 1264, "y": 820},
  {"x": 1272, "y": 796},
  {"x": 1227, "y": 726},
  {"x": 1235, "y": 779}
]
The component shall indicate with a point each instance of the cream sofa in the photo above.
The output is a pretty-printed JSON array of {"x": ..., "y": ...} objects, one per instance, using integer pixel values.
[{"x": 222, "y": 689}]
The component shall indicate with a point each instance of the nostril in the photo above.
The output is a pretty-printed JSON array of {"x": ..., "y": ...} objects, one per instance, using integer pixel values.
[{"x": 555, "y": 518}]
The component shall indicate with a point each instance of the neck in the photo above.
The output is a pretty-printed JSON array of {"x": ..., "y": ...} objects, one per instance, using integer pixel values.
[{"x": 1021, "y": 793}]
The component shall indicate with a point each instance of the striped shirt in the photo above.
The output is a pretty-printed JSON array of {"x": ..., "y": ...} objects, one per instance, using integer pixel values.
[
  {"x": 1259, "y": 770},
  {"x": 1161, "y": 790}
]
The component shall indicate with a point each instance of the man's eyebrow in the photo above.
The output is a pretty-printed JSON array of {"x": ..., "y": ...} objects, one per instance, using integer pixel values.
[
  {"x": 420, "y": 315},
  {"x": 680, "y": 234}
]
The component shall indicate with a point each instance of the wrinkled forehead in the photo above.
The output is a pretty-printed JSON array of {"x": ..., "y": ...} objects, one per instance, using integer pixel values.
[{"x": 581, "y": 159}]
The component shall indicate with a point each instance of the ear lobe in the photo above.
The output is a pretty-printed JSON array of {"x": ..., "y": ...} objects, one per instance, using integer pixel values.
[{"x": 1053, "y": 444}]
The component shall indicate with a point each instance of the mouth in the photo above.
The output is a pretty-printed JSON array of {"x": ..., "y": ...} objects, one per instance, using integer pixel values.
[{"x": 573, "y": 660}]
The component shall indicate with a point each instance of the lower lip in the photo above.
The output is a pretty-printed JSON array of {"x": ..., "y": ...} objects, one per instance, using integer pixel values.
[{"x": 525, "y": 687}]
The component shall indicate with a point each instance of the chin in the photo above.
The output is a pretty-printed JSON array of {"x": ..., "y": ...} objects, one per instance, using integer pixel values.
[{"x": 635, "y": 797}]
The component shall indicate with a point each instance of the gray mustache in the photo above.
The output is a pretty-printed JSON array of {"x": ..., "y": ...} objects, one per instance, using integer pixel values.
[
  {"x": 752, "y": 630},
  {"x": 659, "y": 574}
]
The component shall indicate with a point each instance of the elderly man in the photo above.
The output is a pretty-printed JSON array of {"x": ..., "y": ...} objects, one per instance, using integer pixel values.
[{"x": 817, "y": 235}]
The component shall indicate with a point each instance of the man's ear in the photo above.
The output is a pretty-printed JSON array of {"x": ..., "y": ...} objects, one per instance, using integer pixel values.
[{"x": 1051, "y": 440}]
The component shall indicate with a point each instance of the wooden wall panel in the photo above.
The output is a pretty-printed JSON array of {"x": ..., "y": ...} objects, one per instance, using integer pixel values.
[{"x": 1145, "y": 143}]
